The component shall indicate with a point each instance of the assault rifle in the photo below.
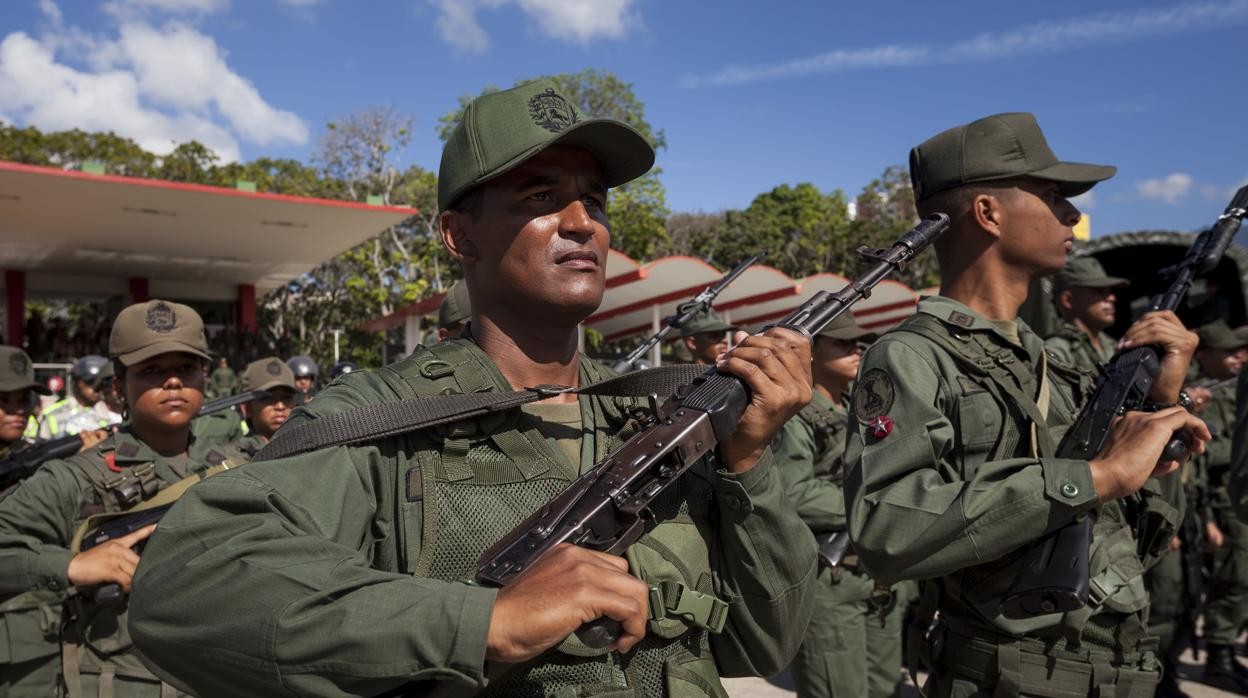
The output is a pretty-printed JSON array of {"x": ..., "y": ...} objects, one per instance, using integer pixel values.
[
  {"x": 1191, "y": 558},
  {"x": 607, "y": 509},
  {"x": 1054, "y": 576},
  {"x": 25, "y": 462},
  {"x": 832, "y": 548},
  {"x": 684, "y": 312}
]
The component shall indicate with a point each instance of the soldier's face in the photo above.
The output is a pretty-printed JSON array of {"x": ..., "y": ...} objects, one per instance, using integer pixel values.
[
  {"x": 272, "y": 412},
  {"x": 707, "y": 346},
  {"x": 1221, "y": 363},
  {"x": 1039, "y": 226},
  {"x": 303, "y": 383},
  {"x": 166, "y": 390},
  {"x": 88, "y": 392},
  {"x": 538, "y": 248},
  {"x": 836, "y": 358},
  {"x": 15, "y": 409},
  {"x": 1094, "y": 306}
]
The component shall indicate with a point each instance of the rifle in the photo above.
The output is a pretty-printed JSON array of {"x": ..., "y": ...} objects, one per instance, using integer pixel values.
[
  {"x": 24, "y": 463},
  {"x": 607, "y": 508},
  {"x": 832, "y": 548},
  {"x": 1054, "y": 575},
  {"x": 1191, "y": 558},
  {"x": 684, "y": 312}
]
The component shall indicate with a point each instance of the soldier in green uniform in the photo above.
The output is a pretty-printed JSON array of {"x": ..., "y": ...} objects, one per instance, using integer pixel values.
[
  {"x": 1221, "y": 358},
  {"x": 223, "y": 381},
  {"x": 955, "y": 416},
  {"x": 705, "y": 335},
  {"x": 159, "y": 352},
  {"x": 1084, "y": 296},
  {"x": 366, "y": 590},
  {"x": 455, "y": 311},
  {"x": 266, "y": 414},
  {"x": 853, "y": 643}
]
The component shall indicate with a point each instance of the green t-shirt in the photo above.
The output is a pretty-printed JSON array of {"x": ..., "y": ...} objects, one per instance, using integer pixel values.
[{"x": 560, "y": 423}]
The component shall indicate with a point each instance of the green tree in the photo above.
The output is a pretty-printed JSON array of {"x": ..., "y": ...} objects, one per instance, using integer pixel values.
[{"x": 885, "y": 211}]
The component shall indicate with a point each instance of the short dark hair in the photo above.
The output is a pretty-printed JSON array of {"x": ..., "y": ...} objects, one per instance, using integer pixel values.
[{"x": 471, "y": 202}]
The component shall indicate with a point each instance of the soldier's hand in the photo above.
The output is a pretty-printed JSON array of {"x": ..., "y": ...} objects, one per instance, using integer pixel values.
[
  {"x": 1213, "y": 536},
  {"x": 91, "y": 438},
  {"x": 113, "y": 561},
  {"x": 1134, "y": 446},
  {"x": 1164, "y": 329},
  {"x": 776, "y": 367},
  {"x": 1200, "y": 398},
  {"x": 564, "y": 590}
]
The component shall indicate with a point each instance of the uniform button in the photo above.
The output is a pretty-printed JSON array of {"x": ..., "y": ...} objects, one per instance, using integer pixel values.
[
  {"x": 733, "y": 502},
  {"x": 1070, "y": 490}
]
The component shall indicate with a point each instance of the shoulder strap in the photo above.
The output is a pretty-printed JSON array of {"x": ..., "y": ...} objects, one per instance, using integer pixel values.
[{"x": 374, "y": 422}]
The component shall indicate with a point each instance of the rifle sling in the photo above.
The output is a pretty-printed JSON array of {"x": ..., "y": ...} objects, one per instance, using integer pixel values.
[{"x": 374, "y": 422}]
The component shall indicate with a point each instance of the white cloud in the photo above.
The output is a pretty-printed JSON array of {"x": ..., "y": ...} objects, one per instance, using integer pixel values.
[
  {"x": 574, "y": 21},
  {"x": 300, "y": 3},
  {"x": 51, "y": 11},
  {"x": 1043, "y": 37},
  {"x": 156, "y": 85},
  {"x": 130, "y": 9},
  {"x": 1170, "y": 189},
  {"x": 1085, "y": 201}
]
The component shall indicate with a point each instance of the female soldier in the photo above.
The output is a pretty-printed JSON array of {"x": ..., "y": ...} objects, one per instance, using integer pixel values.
[{"x": 158, "y": 351}]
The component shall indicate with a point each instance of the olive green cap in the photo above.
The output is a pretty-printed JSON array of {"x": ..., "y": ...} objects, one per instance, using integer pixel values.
[
  {"x": 17, "y": 372},
  {"x": 846, "y": 328},
  {"x": 456, "y": 308},
  {"x": 500, "y": 130},
  {"x": 706, "y": 321},
  {"x": 1241, "y": 333},
  {"x": 1000, "y": 146},
  {"x": 1219, "y": 335},
  {"x": 268, "y": 373},
  {"x": 149, "y": 329},
  {"x": 1086, "y": 272}
]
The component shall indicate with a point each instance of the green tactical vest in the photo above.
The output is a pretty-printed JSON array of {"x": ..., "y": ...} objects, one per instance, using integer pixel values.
[
  {"x": 95, "y": 639},
  {"x": 469, "y": 483},
  {"x": 993, "y": 410},
  {"x": 829, "y": 428}
]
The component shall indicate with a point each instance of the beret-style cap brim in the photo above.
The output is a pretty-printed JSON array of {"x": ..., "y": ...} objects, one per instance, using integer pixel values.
[
  {"x": 159, "y": 348},
  {"x": 1075, "y": 178}
]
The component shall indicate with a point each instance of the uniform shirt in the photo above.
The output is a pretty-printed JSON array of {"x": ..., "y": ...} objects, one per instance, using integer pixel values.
[
  {"x": 223, "y": 382},
  {"x": 954, "y": 489},
  {"x": 811, "y": 464},
  {"x": 335, "y": 549},
  {"x": 1073, "y": 347}
]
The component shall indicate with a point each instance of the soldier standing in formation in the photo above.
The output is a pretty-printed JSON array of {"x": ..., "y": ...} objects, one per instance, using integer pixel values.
[
  {"x": 159, "y": 353},
  {"x": 954, "y": 421},
  {"x": 223, "y": 381},
  {"x": 705, "y": 335},
  {"x": 1084, "y": 296},
  {"x": 264, "y": 415},
  {"x": 306, "y": 372},
  {"x": 363, "y": 592}
]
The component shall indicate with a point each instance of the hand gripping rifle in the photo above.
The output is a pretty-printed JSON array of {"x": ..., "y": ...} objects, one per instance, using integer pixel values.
[
  {"x": 607, "y": 508},
  {"x": 1054, "y": 576},
  {"x": 684, "y": 312}
]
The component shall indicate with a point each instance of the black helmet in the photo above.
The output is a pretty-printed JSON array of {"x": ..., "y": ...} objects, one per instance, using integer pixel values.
[
  {"x": 89, "y": 368},
  {"x": 342, "y": 367},
  {"x": 303, "y": 367}
]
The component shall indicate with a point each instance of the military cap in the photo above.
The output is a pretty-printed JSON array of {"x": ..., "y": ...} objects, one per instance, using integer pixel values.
[
  {"x": 845, "y": 328},
  {"x": 1241, "y": 333},
  {"x": 1219, "y": 335},
  {"x": 1086, "y": 272},
  {"x": 500, "y": 130},
  {"x": 456, "y": 308},
  {"x": 268, "y": 373},
  {"x": 149, "y": 329},
  {"x": 1000, "y": 146},
  {"x": 706, "y": 321},
  {"x": 17, "y": 372}
]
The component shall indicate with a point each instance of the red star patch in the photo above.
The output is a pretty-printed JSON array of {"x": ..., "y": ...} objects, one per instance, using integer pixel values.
[{"x": 881, "y": 426}]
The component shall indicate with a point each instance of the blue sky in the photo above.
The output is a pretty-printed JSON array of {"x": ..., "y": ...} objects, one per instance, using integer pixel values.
[{"x": 750, "y": 94}]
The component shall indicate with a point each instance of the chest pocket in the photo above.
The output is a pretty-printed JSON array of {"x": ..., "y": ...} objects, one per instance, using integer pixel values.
[
  {"x": 979, "y": 422},
  {"x": 1117, "y": 581}
]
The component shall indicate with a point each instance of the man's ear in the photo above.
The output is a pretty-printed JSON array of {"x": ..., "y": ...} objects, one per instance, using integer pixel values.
[
  {"x": 988, "y": 213},
  {"x": 454, "y": 228},
  {"x": 1064, "y": 300},
  {"x": 691, "y": 342}
]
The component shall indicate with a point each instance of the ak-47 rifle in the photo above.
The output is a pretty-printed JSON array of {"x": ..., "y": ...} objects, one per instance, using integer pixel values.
[
  {"x": 607, "y": 509},
  {"x": 684, "y": 312},
  {"x": 26, "y": 461},
  {"x": 1054, "y": 576}
]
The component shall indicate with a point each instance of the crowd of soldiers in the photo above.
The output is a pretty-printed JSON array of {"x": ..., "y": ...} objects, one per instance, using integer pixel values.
[{"x": 866, "y": 500}]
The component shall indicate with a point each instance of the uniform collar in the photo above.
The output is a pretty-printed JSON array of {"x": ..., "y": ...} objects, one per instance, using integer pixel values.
[
  {"x": 127, "y": 448},
  {"x": 959, "y": 318}
]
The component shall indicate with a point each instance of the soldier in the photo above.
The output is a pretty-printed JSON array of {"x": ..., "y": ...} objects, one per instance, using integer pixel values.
[
  {"x": 306, "y": 371},
  {"x": 853, "y": 643},
  {"x": 266, "y": 414},
  {"x": 705, "y": 335},
  {"x": 17, "y": 398},
  {"x": 223, "y": 381},
  {"x": 1221, "y": 359},
  {"x": 1084, "y": 296},
  {"x": 363, "y": 592},
  {"x": 455, "y": 311},
  {"x": 159, "y": 352},
  {"x": 954, "y": 419},
  {"x": 77, "y": 412}
]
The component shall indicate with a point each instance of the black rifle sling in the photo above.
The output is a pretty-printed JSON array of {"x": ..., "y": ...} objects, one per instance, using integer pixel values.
[{"x": 374, "y": 422}]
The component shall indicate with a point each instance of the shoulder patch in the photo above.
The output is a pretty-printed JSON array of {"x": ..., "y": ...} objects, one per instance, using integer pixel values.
[
  {"x": 873, "y": 395},
  {"x": 961, "y": 319},
  {"x": 127, "y": 450}
]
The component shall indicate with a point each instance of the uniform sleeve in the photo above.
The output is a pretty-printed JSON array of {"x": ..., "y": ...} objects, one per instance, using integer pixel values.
[
  {"x": 766, "y": 571},
  {"x": 36, "y": 525},
  {"x": 263, "y": 581},
  {"x": 1060, "y": 348},
  {"x": 818, "y": 501},
  {"x": 914, "y": 513}
]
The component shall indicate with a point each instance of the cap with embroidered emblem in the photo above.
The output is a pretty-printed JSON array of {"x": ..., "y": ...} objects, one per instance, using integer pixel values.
[
  {"x": 17, "y": 372},
  {"x": 156, "y": 327},
  {"x": 1000, "y": 146},
  {"x": 268, "y": 373},
  {"x": 1086, "y": 272},
  {"x": 705, "y": 321},
  {"x": 500, "y": 130}
]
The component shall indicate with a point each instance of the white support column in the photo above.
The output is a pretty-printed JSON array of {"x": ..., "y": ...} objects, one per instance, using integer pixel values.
[
  {"x": 656, "y": 324},
  {"x": 411, "y": 332}
]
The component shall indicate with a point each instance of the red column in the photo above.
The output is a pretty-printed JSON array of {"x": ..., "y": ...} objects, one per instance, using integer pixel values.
[
  {"x": 247, "y": 307},
  {"x": 15, "y": 306},
  {"x": 138, "y": 290}
]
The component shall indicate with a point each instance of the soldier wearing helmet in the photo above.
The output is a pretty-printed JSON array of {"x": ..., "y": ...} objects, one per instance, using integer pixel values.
[
  {"x": 82, "y": 409},
  {"x": 306, "y": 371}
]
